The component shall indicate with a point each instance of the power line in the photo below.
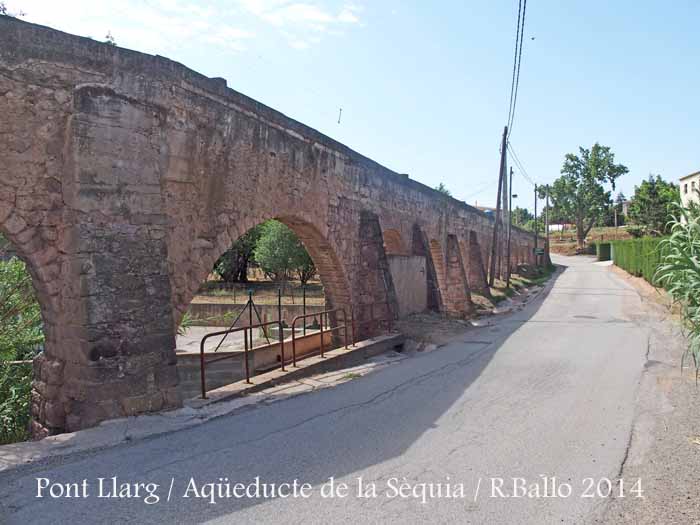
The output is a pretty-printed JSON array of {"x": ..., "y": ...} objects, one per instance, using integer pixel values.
[
  {"x": 515, "y": 61},
  {"x": 520, "y": 166},
  {"x": 482, "y": 189},
  {"x": 517, "y": 58}
]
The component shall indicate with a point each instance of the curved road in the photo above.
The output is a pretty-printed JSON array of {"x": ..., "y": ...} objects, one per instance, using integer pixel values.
[{"x": 545, "y": 391}]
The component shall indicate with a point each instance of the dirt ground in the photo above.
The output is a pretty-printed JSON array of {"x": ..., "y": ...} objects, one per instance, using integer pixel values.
[{"x": 664, "y": 450}]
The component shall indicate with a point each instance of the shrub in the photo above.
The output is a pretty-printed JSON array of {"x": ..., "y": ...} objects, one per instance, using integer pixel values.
[
  {"x": 640, "y": 257},
  {"x": 21, "y": 334},
  {"x": 679, "y": 273},
  {"x": 15, "y": 390}
]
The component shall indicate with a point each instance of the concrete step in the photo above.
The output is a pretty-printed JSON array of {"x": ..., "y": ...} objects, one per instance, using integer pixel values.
[{"x": 333, "y": 360}]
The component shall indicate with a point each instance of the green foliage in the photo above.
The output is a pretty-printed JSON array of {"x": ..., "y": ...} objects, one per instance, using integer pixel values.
[
  {"x": 20, "y": 334},
  {"x": 679, "y": 273},
  {"x": 21, "y": 329},
  {"x": 279, "y": 252},
  {"x": 653, "y": 204},
  {"x": 15, "y": 391},
  {"x": 636, "y": 231},
  {"x": 109, "y": 39},
  {"x": 530, "y": 225},
  {"x": 579, "y": 194},
  {"x": 443, "y": 189},
  {"x": 640, "y": 257},
  {"x": 232, "y": 266},
  {"x": 7, "y": 12},
  {"x": 521, "y": 216}
]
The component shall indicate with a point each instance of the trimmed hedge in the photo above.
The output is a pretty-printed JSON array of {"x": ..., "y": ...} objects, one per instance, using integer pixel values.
[
  {"x": 640, "y": 257},
  {"x": 603, "y": 251}
]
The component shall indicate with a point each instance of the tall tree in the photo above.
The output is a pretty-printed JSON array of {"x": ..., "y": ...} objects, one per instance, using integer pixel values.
[
  {"x": 279, "y": 252},
  {"x": 652, "y": 205},
  {"x": 580, "y": 194},
  {"x": 521, "y": 216},
  {"x": 232, "y": 266}
]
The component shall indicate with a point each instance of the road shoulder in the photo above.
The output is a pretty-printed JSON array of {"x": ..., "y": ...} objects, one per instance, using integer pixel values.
[{"x": 664, "y": 447}]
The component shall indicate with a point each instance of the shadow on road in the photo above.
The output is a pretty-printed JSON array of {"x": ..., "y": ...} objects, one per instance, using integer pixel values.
[{"x": 333, "y": 432}]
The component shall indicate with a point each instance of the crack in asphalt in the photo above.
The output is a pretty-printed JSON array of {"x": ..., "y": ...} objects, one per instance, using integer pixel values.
[{"x": 380, "y": 397}]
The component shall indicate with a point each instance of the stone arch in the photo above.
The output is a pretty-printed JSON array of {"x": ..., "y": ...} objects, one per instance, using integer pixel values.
[
  {"x": 329, "y": 267},
  {"x": 394, "y": 243},
  {"x": 42, "y": 263},
  {"x": 458, "y": 301},
  {"x": 438, "y": 257},
  {"x": 420, "y": 246}
]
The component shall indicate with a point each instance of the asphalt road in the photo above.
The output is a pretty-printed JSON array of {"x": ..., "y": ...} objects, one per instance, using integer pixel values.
[{"x": 545, "y": 391}]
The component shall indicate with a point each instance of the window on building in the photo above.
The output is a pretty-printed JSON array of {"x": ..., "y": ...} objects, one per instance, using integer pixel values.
[{"x": 685, "y": 188}]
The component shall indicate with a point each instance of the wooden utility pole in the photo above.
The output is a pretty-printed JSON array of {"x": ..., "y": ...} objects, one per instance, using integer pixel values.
[
  {"x": 535, "y": 224},
  {"x": 510, "y": 225},
  {"x": 548, "y": 260},
  {"x": 497, "y": 217}
]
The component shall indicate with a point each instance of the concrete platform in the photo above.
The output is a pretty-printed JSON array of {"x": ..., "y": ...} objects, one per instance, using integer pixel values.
[{"x": 332, "y": 360}]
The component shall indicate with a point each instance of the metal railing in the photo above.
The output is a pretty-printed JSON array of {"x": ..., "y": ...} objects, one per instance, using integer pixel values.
[
  {"x": 320, "y": 316},
  {"x": 325, "y": 317},
  {"x": 247, "y": 346}
]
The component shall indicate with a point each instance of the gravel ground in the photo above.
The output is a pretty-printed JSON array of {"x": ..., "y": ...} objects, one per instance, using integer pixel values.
[{"x": 664, "y": 450}]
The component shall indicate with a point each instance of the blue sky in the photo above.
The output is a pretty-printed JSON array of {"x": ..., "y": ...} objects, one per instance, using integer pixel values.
[{"x": 424, "y": 85}]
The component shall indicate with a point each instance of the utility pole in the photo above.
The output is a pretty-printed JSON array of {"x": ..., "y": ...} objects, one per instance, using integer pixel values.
[
  {"x": 548, "y": 260},
  {"x": 494, "y": 242},
  {"x": 510, "y": 226},
  {"x": 535, "y": 224}
]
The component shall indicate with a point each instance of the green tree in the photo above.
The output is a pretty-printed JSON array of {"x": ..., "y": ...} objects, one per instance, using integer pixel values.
[
  {"x": 21, "y": 328},
  {"x": 443, "y": 189},
  {"x": 579, "y": 194},
  {"x": 521, "y": 216},
  {"x": 21, "y": 334},
  {"x": 232, "y": 266},
  {"x": 279, "y": 252},
  {"x": 7, "y": 12},
  {"x": 653, "y": 204},
  {"x": 620, "y": 209}
]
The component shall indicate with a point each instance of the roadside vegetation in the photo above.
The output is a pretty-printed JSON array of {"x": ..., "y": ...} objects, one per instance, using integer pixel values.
[
  {"x": 21, "y": 336},
  {"x": 679, "y": 274}
]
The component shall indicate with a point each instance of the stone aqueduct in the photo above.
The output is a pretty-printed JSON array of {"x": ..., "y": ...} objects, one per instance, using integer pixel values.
[{"x": 123, "y": 177}]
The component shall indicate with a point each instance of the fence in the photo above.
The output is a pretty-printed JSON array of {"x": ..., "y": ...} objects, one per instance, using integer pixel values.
[{"x": 326, "y": 322}]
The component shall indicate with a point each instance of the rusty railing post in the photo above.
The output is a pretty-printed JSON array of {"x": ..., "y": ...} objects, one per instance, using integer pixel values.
[
  {"x": 279, "y": 320},
  {"x": 352, "y": 323},
  {"x": 303, "y": 308},
  {"x": 321, "y": 317},
  {"x": 201, "y": 369},
  {"x": 245, "y": 354},
  {"x": 294, "y": 342}
]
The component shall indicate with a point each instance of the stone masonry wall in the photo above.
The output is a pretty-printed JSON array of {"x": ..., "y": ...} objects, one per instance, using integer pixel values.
[{"x": 124, "y": 176}]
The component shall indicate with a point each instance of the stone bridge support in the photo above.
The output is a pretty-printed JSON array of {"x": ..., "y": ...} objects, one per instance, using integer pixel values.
[{"x": 124, "y": 176}]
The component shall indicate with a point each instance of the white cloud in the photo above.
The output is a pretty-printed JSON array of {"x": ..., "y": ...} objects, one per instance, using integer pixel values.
[
  {"x": 156, "y": 26},
  {"x": 301, "y": 17},
  {"x": 164, "y": 26}
]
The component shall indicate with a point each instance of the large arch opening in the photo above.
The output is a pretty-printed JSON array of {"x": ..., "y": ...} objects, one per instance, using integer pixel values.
[
  {"x": 279, "y": 277},
  {"x": 22, "y": 338}
]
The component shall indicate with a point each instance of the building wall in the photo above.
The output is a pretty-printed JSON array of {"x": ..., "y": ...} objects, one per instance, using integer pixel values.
[
  {"x": 689, "y": 186},
  {"x": 408, "y": 274}
]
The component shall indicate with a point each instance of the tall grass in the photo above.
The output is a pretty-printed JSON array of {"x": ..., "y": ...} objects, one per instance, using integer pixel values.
[{"x": 679, "y": 273}]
